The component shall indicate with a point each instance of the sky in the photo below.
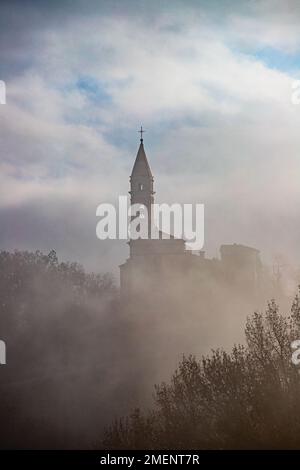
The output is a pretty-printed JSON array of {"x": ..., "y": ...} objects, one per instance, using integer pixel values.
[{"x": 210, "y": 81}]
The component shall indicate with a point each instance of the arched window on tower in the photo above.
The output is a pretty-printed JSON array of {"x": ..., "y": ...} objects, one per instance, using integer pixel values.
[{"x": 141, "y": 186}]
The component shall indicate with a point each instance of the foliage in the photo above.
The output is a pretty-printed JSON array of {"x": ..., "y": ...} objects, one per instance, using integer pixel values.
[
  {"x": 248, "y": 398},
  {"x": 56, "y": 321}
]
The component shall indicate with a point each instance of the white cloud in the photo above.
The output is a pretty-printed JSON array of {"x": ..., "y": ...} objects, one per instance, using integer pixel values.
[{"x": 270, "y": 23}]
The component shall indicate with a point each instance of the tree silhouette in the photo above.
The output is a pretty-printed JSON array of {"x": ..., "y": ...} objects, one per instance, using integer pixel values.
[
  {"x": 57, "y": 321},
  {"x": 248, "y": 398}
]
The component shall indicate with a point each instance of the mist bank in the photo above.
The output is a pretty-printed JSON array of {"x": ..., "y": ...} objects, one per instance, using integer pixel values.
[{"x": 79, "y": 355}]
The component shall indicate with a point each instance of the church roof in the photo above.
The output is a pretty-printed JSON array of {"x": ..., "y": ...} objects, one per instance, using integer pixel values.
[{"x": 141, "y": 165}]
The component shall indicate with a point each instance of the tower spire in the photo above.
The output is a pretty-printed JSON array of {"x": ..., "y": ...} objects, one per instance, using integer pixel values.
[{"x": 141, "y": 166}]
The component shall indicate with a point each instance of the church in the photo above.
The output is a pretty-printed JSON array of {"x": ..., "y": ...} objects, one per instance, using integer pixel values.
[{"x": 160, "y": 264}]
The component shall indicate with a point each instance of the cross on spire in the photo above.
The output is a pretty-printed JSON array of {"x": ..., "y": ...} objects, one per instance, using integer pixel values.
[{"x": 141, "y": 131}]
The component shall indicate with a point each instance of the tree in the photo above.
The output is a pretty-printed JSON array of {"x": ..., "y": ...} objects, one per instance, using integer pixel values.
[
  {"x": 56, "y": 321},
  {"x": 248, "y": 398}
]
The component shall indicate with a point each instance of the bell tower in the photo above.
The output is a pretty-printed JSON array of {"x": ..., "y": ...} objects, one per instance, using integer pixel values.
[{"x": 150, "y": 260}]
